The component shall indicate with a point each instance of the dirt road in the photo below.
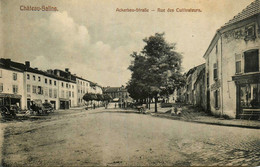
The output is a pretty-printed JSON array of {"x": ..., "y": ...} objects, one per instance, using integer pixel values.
[{"x": 87, "y": 138}]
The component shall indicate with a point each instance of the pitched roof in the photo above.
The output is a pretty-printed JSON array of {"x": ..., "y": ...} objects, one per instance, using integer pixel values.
[
  {"x": 114, "y": 89},
  {"x": 250, "y": 10}
]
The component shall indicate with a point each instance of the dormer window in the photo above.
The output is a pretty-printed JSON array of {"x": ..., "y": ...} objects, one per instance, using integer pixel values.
[{"x": 250, "y": 32}]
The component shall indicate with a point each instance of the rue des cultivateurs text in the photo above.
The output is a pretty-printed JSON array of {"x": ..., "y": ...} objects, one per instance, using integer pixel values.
[{"x": 160, "y": 10}]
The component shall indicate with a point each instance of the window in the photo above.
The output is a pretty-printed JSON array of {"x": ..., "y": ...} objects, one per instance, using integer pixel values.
[
  {"x": 216, "y": 48},
  {"x": 1, "y": 87},
  {"x": 39, "y": 79},
  {"x": 238, "y": 63},
  {"x": 69, "y": 93},
  {"x": 40, "y": 91},
  {"x": 72, "y": 94},
  {"x": 66, "y": 85},
  {"x": 15, "y": 89},
  {"x": 0, "y": 73},
  {"x": 28, "y": 76},
  {"x": 50, "y": 92},
  {"x": 28, "y": 88},
  {"x": 251, "y": 61},
  {"x": 55, "y": 83},
  {"x": 215, "y": 71},
  {"x": 34, "y": 89},
  {"x": 72, "y": 86},
  {"x": 217, "y": 99},
  {"x": 14, "y": 76},
  {"x": 62, "y": 84},
  {"x": 46, "y": 81},
  {"x": 34, "y": 77},
  {"x": 50, "y": 81},
  {"x": 62, "y": 93},
  {"x": 250, "y": 32},
  {"x": 55, "y": 93},
  {"x": 46, "y": 91}
]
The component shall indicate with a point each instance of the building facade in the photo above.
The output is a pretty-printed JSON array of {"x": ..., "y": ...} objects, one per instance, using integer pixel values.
[
  {"x": 232, "y": 65},
  {"x": 11, "y": 84},
  {"x": 118, "y": 93},
  {"x": 23, "y": 84}
]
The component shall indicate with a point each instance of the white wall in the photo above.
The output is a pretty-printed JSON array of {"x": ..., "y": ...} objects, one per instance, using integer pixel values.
[{"x": 8, "y": 82}]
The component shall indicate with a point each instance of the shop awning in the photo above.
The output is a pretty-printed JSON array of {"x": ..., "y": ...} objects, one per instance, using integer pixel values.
[
  {"x": 63, "y": 99},
  {"x": 247, "y": 78},
  {"x": 14, "y": 96}
]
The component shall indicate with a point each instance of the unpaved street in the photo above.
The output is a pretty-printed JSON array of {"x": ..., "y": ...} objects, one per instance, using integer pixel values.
[{"x": 81, "y": 137}]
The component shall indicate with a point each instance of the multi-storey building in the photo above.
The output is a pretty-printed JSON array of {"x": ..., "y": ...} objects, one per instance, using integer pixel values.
[
  {"x": 233, "y": 65},
  {"x": 83, "y": 87},
  {"x": 119, "y": 93},
  {"x": 40, "y": 85},
  {"x": 67, "y": 88},
  {"x": 23, "y": 84},
  {"x": 11, "y": 84}
]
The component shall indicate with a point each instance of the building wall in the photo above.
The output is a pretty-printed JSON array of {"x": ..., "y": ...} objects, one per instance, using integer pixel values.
[
  {"x": 67, "y": 91},
  {"x": 82, "y": 88},
  {"x": 214, "y": 84},
  {"x": 6, "y": 78},
  {"x": 230, "y": 43},
  {"x": 37, "y": 86}
]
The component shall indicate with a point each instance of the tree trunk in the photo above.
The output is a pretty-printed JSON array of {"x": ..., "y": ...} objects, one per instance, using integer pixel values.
[
  {"x": 149, "y": 105},
  {"x": 155, "y": 107}
]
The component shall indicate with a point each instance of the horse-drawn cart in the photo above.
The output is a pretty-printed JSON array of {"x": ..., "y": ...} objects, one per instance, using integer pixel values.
[
  {"x": 7, "y": 108},
  {"x": 41, "y": 108}
]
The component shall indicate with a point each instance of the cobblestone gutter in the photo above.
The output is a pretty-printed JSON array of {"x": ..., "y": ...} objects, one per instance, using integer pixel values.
[{"x": 1, "y": 141}]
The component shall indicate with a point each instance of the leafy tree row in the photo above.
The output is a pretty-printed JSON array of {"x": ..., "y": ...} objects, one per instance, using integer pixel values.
[{"x": 98, "y": 97}]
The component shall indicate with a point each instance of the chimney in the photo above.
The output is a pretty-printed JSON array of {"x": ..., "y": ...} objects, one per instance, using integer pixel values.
[{"x": 27, "y": 64}]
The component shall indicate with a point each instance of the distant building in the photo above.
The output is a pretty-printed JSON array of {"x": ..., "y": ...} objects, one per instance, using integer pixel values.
[
  {"x": 232, "y": 65},
  {"x": 118, "y": 93},
  {"x": 193, "y": 91}
]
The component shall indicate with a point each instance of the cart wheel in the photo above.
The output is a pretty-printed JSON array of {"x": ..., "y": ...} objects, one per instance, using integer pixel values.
[{"x": 4, "y": 111}]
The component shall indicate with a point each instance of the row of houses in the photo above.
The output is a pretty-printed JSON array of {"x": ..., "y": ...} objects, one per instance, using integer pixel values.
[
  {"x": 228, "y": 83},
  {"x": 119, "y": 94},
  {"x": 22, "y": 84}
]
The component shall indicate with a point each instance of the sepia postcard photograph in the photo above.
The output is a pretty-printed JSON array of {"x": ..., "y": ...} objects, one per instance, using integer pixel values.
[{"x": 129, "y": 83}]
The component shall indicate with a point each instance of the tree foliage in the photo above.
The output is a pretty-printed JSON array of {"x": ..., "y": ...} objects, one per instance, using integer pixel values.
[{"x": 156, "y": 70}]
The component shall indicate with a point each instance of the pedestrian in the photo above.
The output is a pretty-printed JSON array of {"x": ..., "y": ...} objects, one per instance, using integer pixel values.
[
  {"x": 94, "y": 106},
  {"x": 179, "y": 110},
  {"x": 115, "y": 105}
]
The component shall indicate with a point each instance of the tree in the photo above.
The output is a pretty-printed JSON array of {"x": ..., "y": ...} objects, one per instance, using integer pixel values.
[
  {"x": 156, "y": 70},
  {"x": 87, "y": 97}
]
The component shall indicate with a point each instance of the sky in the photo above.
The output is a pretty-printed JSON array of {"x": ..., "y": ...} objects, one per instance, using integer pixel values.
[{"x": 95, "y": 41}]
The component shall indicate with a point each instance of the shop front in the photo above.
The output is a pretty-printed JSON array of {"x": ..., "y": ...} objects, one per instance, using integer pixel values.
[
  {"x": 64, "y": 103},
  {"x": 10, "y": 99},
  {"x": 248, "y": 96}
]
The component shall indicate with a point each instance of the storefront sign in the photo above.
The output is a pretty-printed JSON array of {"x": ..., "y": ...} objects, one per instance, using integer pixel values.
[{"x": 10, "y": 95}]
